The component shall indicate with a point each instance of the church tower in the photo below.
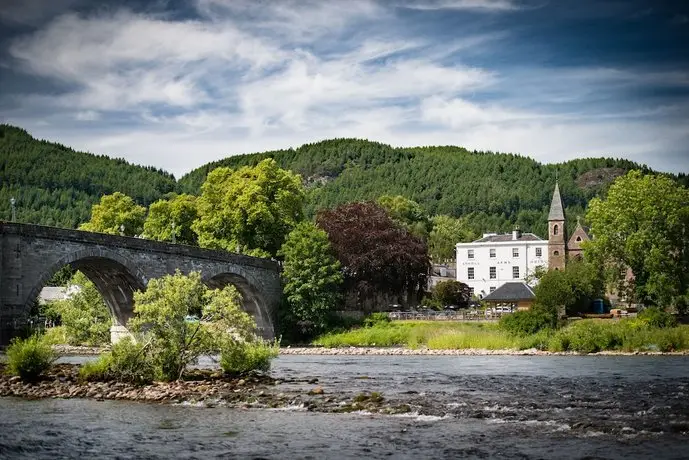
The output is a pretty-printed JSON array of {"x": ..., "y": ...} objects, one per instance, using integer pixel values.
[{"x": 556, "y": 233}]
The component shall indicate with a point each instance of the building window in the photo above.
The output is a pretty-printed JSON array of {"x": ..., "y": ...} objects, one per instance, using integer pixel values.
[
  {"x": 578, "y": 238},
  {"x": 556, "y": 230},
  {"x": 492, "y": 289},
  {"x": 492, "y": 253},
  {"x": 493, "y": 273},
  {"x": 515, "y": 272},
  {"x": 539, "y": 252},
  {"x": 470, "y": 253},
  {"x": 515, "y": 252},
  {"x": 556, "y": 253},
  {"x": 470, "y": 273}
]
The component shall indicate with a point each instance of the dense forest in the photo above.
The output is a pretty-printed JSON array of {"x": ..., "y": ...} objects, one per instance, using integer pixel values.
[
  {"x": 55, "y": 185},
  {"x": 495, "y": 191}
]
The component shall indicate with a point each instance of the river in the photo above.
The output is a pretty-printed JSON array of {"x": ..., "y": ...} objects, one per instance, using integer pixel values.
[{"x": 462, "y": 407}]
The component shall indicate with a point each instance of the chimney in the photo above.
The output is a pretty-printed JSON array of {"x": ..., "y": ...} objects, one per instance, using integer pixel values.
[{"x": 516, "y": 233}]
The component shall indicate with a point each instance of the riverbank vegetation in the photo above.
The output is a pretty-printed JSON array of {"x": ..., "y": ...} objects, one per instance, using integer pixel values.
[{"x": 583, "y": 336}]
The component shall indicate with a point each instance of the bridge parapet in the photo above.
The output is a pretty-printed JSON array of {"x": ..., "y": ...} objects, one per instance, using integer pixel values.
[{"x": 118, "y": 266}]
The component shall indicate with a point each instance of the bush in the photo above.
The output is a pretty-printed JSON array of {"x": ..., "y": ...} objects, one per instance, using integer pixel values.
[
  {"x": 375, "y": 319},
  {"x": 242, "y": 357},
  {"x": 127, "y": 361},
  {"x": 29, "y": 358},
  {"x": 523, "y": 323},
  {"x": 655, "y": 317},
  {"x": 589, "y": 336}
]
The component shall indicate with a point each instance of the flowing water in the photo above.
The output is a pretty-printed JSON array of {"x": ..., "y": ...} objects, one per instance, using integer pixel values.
[{"x": 462, "y": 406}]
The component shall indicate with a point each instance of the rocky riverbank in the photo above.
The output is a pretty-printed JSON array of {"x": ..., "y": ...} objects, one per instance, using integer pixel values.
[
  {"x": 458, "y": 352},
  {"x": 201, "y": 387},
  {"x": 391, "y": 351}
]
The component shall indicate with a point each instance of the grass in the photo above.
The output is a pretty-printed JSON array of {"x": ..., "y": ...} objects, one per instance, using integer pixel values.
[
  {"x": 430, "y": 334},
  {"x": 585, "y": 336}
]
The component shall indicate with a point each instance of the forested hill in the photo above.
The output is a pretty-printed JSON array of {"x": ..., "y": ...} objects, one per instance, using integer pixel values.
[
  {"x": 55, "y": 185},
  {"x": 495, "y": 190}
]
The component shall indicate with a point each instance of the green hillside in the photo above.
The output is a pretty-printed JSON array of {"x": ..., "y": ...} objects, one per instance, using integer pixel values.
[
  {"x": 55, "y": 185},
  {"x": 495, "y": 190}
]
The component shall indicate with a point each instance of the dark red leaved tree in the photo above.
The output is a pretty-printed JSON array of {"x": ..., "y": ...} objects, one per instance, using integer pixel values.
[{"x": 378, "y": 256}]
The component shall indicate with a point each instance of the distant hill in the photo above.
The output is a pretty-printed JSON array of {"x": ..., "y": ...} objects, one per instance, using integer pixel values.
[
  {"x": 495, "y": 190},
  {"x": 55, "y": 185}
]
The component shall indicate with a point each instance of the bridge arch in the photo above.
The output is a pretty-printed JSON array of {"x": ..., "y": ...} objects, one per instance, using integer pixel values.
[
  {"x": 116, "y": 278},
  {"x": 254, "y": 301}
]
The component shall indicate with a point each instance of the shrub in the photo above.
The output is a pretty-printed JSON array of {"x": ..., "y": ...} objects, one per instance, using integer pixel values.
[
  {"x": 591, "y": 336},
  {"x": 56, "y": 335},
  {"x": 127, "y": 361},
  {"x": 29, "y": 358},
  {"x": 242, "y": 357},
  {"x": 375, "y": 319},
  {"x": 523, "y": 323},
  {"x": 655, "y": 317}
]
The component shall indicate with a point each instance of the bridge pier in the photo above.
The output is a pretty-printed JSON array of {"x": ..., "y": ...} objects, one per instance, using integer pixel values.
[
  {"x": 119, "y": 266},
  {"x": 118, "y": 332}
]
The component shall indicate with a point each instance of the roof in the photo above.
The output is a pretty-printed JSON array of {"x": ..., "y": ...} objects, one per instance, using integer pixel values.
[
  {"x": 51, "y": 293},
  {"x": 556, "y": 210},
  {"x": 511, "y": 291},
  {"x": 508, "y": 237}
]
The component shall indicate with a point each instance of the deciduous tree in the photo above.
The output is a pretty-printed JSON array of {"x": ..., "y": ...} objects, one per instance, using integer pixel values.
[
  {"x": 447, "y": 232},
  {"x": 406, "y": 212},
  {"x": 176, "y": 215},
  {"x": 115, "y": 213},
  {"x": 452, "y": 293},
  {"x": 312, "y": 278},
  {"x": 643, "y": 224},
  {"x": 250, "y": 210},
  {"x": 377, "y": 255}
]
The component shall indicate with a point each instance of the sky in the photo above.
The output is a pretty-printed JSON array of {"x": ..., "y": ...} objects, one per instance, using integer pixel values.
[{"x": 176, "y": 84}]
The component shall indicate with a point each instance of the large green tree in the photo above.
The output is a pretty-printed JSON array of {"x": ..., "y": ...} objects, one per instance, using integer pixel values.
[
  {"x": 407, "y": 213},
  {"x": 312, "y": 278},
  {"x": 250, "y": 210},
  {"x": 573, "y": 288},
  {"x": 174, "y": 216},
  {"x": 447, "y": 232},
  {"x": 643, "y": 225},
  {"x": 115, "y": 213}
]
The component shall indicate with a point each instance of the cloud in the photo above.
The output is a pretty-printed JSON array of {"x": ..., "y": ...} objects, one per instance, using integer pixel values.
[
  {"x": 485, "y": 5},
  {"x": 244, "y": 76}
]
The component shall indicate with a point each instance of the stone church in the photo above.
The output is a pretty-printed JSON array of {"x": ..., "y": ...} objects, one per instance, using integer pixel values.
[{"x": 560, "y": 249}]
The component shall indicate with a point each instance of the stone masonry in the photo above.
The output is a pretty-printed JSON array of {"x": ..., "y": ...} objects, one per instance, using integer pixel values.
[{"x": 118, "y": 266}]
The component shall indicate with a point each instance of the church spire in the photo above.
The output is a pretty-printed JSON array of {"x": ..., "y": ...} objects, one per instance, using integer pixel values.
[{"x": 556, "y": 209}]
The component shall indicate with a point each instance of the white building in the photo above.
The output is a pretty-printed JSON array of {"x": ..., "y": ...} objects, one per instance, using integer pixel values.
[{"x": 489, "y": 262}]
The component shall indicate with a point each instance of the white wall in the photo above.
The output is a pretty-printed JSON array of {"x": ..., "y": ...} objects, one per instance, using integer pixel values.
[{"x": 527, "y": 261}]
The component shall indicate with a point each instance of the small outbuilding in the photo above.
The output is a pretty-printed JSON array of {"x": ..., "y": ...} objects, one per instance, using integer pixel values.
[{"x": 516, "y": 295}]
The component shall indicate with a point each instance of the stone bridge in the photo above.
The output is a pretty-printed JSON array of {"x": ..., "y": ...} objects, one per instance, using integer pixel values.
[{"x": 118, "y": 266}]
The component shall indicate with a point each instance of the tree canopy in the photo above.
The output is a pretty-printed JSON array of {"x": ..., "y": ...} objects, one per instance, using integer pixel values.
[
  {"x": 643, "y": 225},
  {"x": 376, "y": 254},
  {"x": 312, "y": 278},
  {"x": 116, "y": 214},
  {"x": 250, "y": 210},
  {"x": 447, "y": 232},
  {"x": 176, "y": 215},
  {"x": 573, "y": 288},
  {"x": 407, "y": 213},
  {"x": 452, "y": 293}
]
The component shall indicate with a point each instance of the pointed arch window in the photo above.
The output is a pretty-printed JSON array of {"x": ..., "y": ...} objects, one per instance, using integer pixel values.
[{"x": 556, "y": 229}]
